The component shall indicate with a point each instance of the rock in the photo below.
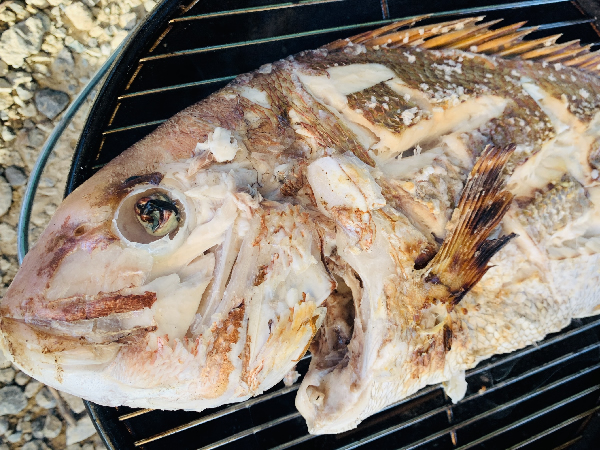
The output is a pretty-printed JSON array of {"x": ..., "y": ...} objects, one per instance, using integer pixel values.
[
  {"x": 8, "y": 240},
  {"x": 14, "y": 437},
  {"x": 12, "y": 400},
  {"x": 5, "y": 86},
  {"x": 15, "y": 176},
  {"x": 24, "y": 94},
  {"x": 52, "y": 427},
  {"x": 127, "y": 21},
  {"x": 24, "y": 426},
  {"x": 22, "y": 378},
  {"x": 6, "y": 101},
  {"x": 4, "y": 424},
  {"x": 50, "y": 102},
  {"x": 7, "y": 16},
  {"x": 18, "y": 8},
  {"x": 63, "y": 65},
  {"x": 40, "y": 4},
  {"x": 98, "y": 444},
  {"x": 74, "y": 45},
  {"x": 32, "y": 388},
  {"x": 80, "y": 15},
  {"x": 88, "y": 446},
  {"x": 28, "y": 110},
  {"x": 83, "y": 430},
  {"x": 18, "y": 77},
  {"x": 35, "y": 445},
  {"x": 45, "y": 399},
  {"x": 3, "y": 68},
  {"x": 5, "y": 202},
  {"x": 23, "y": 39},
  {"x": 7, "y": 375},
  {"x": 75, "y": 403},
  {"x": 4, "y": 361},
  {"x": 37, "y": 427},
  {"x": 7, "y": 132}
]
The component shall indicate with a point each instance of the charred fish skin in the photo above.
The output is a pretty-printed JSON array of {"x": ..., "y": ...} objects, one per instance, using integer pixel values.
[{"x": 340, "y": 178}]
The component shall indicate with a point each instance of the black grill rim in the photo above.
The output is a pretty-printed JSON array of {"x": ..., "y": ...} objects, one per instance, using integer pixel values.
[{"x": 106, "y": 419}]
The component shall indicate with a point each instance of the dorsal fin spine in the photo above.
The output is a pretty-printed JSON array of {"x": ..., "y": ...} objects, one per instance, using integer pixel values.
[{"x": 464, "y": 34}]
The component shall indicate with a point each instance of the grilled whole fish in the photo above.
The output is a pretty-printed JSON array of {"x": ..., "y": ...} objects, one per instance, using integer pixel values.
[{"x": 397, "y": 201}]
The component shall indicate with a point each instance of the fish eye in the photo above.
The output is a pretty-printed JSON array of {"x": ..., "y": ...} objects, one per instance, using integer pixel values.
[
  {"x": 157, "y": 213},
  {"x": 150, "y": 214}
]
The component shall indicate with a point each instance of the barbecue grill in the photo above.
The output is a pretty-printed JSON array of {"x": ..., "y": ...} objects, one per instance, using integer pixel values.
[{"x": 543, "y": 396}]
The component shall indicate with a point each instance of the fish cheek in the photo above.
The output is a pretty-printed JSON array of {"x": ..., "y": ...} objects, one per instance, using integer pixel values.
[{"x": 70, "y": 237}]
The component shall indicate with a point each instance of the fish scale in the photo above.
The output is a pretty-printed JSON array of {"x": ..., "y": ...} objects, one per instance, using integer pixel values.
[
  {"x": 383, "y": 106},
  {"x": 473, "y": 78}
]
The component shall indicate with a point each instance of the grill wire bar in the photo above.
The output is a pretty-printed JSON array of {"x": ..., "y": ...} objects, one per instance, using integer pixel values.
[
  {"x": 142, "y": 102},
  {"x": 483, "y": 368},
  {"x": 488, "y": 366}
]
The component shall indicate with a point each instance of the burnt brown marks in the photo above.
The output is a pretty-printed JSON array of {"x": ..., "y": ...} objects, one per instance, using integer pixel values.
[
  {"x": 69, "y": 237},
  {"x": 578, "y": 89},
  {"x": 215, "y": 374},
  {"x": 84, "y": 307},
  {"x": 464, "y": 256},
  {"x": 381, "y": 106},
  {"x": 446, "y": 77},
  {"x": 328, "y": 131}
]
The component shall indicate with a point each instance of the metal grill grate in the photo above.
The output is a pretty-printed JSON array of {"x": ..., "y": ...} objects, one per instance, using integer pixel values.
[{"x": 539, "y": 397}]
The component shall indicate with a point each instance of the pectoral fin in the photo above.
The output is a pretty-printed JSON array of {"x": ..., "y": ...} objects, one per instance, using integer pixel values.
[{"x": 463, "y": 258}]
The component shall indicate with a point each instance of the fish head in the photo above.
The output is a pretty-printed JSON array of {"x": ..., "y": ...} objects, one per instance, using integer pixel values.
[
  {"x": 166, "y": 277},
  {"x": 80, "y": 258},
  {"x": 80, "y": 286}
]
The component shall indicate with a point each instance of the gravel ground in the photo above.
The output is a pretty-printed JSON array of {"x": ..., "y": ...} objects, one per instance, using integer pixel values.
[{"x": 49, "y": 49}]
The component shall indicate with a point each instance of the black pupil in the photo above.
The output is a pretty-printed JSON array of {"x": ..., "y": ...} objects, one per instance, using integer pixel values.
[{"x": 153, "y": 211}]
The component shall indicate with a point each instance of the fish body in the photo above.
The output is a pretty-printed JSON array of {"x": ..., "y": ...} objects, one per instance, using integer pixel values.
[{"x": 403, "y": 212}]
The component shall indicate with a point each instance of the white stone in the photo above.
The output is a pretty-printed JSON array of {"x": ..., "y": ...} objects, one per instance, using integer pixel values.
[
  {"x": 22, "y": 40},
  {"x": 4, "y": 425},
  {"x": 149, "y": 5},
  {"x": 28, "y": 110},
  {"x": 32, "y": 388},
  {"x": 24, "y": 94},
  {"x": 127, "y": 21},
  {"x": 12, "y": 400},
  {"x": 22, "y": 378},
  {"x": 75, "y": 403},
  {"x": 74, "y": 45},
  {"x": 18, "y": 77},
  {"x": 80, "y": 15},
  {"x": 6, "y": 101},
  {"x": 5, "y": 202},
  {"x": 7, "y": 375},
  {"x": 14, "y": 437},
  {"x": 52, "y": 427},
  {"x": 82, "y": 430},
  {"x": 15, "y": 176},
  {"x": 4, "y": 362},
  {"x": 5, "y": 86},
  {"x": 40, "y": 4},
  {"x": 45, "y": 399},
  {"x": 8, "y": 239}
]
